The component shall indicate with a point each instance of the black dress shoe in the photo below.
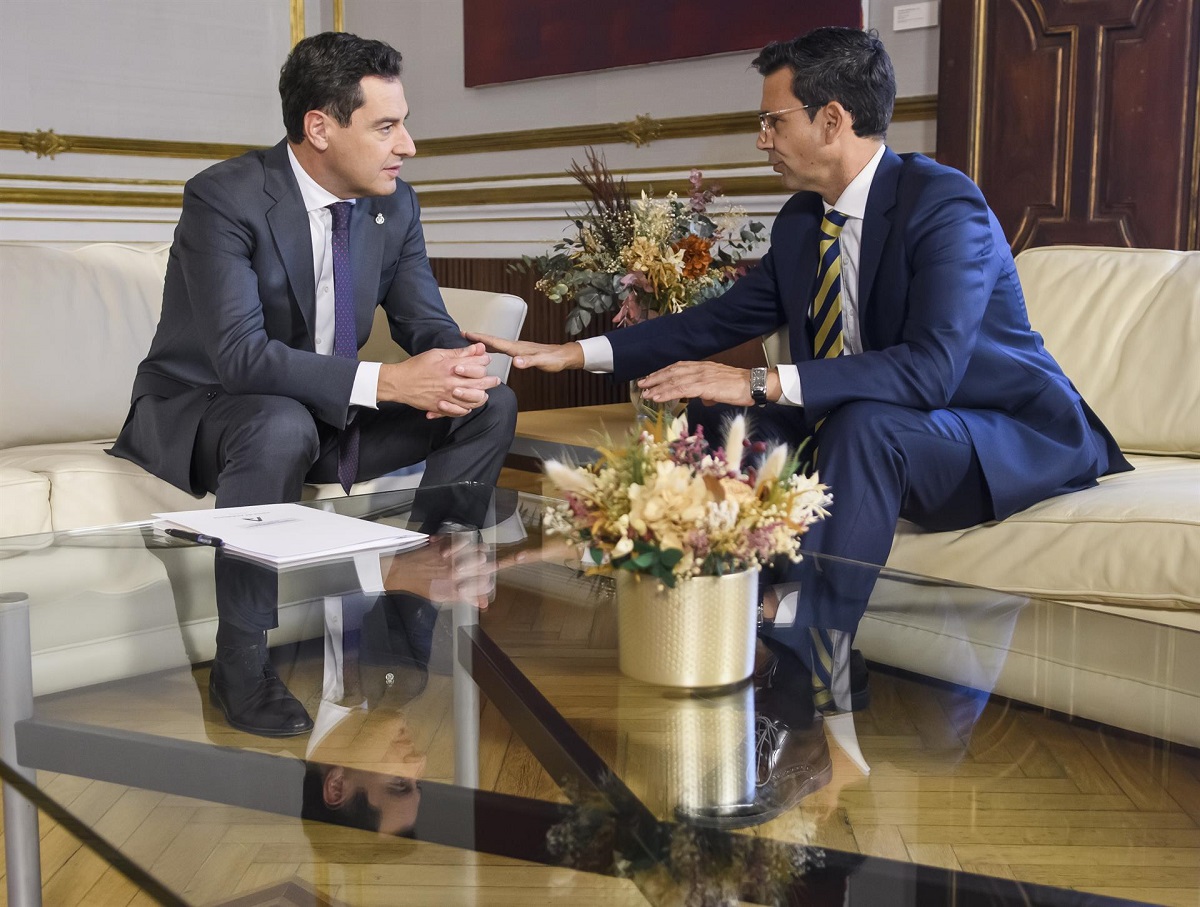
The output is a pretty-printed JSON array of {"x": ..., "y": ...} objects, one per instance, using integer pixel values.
[
  {"x": 244, "y": 685},
  {"x": 791, "y": 764}
]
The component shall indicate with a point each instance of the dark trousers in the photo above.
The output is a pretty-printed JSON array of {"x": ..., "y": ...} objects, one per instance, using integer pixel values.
[
  {"x": 881, "y": 462},
  {"x": 259, "y": 449}
]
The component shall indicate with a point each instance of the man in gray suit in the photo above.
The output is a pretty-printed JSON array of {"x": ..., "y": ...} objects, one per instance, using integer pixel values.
[{"x": 252, "y": 385}]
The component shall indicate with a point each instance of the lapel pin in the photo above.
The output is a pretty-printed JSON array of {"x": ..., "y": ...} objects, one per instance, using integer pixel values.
[{"x": 379, "y": 218}]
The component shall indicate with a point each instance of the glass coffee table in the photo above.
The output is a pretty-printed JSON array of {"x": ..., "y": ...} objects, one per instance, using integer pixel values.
[{"x": 498, "y": 756}]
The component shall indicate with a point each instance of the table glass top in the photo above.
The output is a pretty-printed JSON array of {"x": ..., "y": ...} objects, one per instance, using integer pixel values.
[{"x": 500, "y": 751}]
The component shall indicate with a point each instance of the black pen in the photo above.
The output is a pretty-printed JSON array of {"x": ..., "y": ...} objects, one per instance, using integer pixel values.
[{"x": 197, "y": 537}]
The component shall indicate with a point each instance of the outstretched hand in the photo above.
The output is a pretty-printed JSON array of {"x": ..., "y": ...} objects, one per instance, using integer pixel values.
[
  {"x": 549, "y": 357},
  {"x": 444, "y": 383},
  {"x": 712, "y": 382}
]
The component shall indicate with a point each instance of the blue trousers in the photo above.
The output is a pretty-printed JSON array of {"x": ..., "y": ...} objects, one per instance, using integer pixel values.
[{"x": 881, "y": 462}]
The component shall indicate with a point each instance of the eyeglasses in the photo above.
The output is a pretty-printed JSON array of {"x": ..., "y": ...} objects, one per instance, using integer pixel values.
[{"x": 768, "y": 121}]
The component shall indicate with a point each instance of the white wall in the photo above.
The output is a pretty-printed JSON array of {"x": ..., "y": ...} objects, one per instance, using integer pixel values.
[{"x": 206, "y": 71}]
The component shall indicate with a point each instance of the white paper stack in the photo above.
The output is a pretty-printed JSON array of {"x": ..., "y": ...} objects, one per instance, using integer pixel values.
[{"x": 290, "y": 533}]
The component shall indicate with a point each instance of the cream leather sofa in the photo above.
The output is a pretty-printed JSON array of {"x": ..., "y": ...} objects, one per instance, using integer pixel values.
[
  {"x": 1124, "y": 324},
  {"x": 75, "y": 324}
]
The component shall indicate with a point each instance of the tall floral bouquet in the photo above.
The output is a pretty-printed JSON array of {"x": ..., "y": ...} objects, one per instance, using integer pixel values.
[
  {"x": 643, "y": 256},
  {"x": 668, "y": 505}
]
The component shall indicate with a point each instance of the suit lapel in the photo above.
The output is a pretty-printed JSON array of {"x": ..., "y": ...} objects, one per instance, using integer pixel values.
[
  {"x": 877, "y": 223},
  {"x": 289, "y": 228},
  {"x": 366, "y": 254}
]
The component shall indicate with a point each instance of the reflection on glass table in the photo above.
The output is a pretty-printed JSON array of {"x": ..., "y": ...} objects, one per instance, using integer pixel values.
[{"x": 471, "y": 731}]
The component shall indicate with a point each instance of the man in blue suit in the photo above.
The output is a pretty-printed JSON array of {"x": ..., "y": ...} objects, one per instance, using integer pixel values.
[
  {"x": 917, "y": 376},
  {"x": 252, "y": 385}
]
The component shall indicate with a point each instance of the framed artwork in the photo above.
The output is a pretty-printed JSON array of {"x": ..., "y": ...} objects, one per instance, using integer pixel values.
[{"x": 511, "y": 40}]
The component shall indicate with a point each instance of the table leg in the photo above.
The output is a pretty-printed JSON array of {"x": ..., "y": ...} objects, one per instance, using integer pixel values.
[
  {"x": 21, "y": 841},
  {"x": 466, "y": 704}
]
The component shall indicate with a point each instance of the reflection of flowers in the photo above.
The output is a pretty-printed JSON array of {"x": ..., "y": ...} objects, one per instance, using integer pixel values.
[
  {"x": 668, "y": 505},
  {"x": 642, "y": 257},
  {"x": 680, "y": 865}
]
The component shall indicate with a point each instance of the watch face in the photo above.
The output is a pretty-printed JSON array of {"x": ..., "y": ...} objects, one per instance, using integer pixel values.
[{"x": 758, "y": 386}]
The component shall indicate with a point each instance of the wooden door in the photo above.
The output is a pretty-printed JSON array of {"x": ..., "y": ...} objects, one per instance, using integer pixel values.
[{"x": 1077, "y": 118}]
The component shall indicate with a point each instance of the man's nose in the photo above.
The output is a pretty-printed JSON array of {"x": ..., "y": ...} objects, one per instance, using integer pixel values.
[
  {"x": 405, "y": 146},
  {"x": 763, "y": 142}
]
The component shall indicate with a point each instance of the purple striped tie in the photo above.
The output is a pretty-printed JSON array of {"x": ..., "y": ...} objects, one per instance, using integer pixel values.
[{"x": 345, "y": 339}]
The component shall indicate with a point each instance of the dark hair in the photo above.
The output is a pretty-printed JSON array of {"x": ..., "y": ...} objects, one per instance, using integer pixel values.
[
  {"x": 846, "y": 65},
  {"x": 323, "y": 73},
  {"x": 355, "y": 813}
]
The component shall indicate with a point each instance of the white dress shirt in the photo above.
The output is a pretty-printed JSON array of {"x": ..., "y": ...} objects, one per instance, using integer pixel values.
[
  {"x": 597, "y": 351},
  {"x": 317, "y": 200}
]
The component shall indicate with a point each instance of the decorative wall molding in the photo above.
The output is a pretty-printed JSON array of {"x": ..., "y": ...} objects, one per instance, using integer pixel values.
[
  {"x": 638, "y": 131},
  {"x": 297, "y": 19},
  {"x": 93, "y": 144}
]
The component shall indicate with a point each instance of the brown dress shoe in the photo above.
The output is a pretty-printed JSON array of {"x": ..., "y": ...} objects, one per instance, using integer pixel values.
[{"x": 791, "y": 764}]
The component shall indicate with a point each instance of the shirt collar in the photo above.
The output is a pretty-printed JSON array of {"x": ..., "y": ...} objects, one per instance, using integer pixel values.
[
  {"x": 314, "y": 195},
  {"x": 853, "y": 200}
]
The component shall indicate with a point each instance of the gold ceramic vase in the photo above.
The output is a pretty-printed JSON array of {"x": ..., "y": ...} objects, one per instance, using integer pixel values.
[{"x": 698, "y": 634}]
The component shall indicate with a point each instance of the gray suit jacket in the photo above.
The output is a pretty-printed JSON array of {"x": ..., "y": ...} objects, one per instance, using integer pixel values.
[{"x": 239, "y": 301}]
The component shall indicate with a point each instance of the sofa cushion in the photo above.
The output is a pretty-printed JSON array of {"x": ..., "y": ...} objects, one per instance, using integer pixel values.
[
  {"x": 1124, "y": 323},
  {"x": 24, "y": 502},
  {"x": 1132, "y": 540},
  {"x": 90, "y": 488},
  {"x": 68, "y": 350}
]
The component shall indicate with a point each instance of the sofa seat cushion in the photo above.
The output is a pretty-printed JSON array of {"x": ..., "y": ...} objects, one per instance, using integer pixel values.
[
  {"x": 1132, "y": 540},
  {"x": 24, "y": 502},
  {"x": 90, "y": 488}
]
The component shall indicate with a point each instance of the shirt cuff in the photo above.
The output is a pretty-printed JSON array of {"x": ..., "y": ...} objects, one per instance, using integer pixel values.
[
  {"x": 789, "y": 385},
  {"x": 597, "y": 354},
  {"x": 366, "y": 385}
]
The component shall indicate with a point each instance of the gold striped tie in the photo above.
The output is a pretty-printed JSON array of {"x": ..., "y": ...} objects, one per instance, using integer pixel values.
[{"x": 827, "y": 303}]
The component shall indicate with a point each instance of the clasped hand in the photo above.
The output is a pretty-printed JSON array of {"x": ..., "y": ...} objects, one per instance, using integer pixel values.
[
  {"x": 443, "y": 383},
  {"x": 450, "y": 569}
]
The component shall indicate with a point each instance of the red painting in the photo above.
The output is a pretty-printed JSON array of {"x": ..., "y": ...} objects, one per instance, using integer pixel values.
[{"x": 509, "y": 40}]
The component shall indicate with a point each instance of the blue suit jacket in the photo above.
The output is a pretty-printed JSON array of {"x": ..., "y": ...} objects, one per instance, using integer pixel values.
[
  {"x": 943, "y": 325},
  {"x": 239, "y": 302}
]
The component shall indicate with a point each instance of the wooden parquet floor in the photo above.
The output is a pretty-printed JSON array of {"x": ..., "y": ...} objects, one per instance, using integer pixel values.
[
  {"x": 1015, "y": 794},
  {"x": 956, "y": 780}
]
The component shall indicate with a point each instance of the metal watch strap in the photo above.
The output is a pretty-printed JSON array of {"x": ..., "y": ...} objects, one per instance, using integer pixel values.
[{"x": 758, "y": 386}]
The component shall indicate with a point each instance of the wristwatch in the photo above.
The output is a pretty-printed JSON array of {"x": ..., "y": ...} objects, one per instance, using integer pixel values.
[{"x": 758, "y": 386}]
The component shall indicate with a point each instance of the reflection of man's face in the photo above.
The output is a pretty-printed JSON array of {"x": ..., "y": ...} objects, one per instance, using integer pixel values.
[{"x": 393, "y": 800}]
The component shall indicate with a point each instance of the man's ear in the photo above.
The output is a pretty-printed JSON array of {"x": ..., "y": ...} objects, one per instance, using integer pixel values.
[
  {"x": 316, "y": 129},
  {"x": 333, "y": 788},
  {"x": 837, "y": 120}
]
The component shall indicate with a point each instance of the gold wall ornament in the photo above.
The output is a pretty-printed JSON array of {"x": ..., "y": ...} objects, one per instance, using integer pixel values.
[
  {"x": 642, "y": 130},
  {"x": 44, "y": 143}
]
